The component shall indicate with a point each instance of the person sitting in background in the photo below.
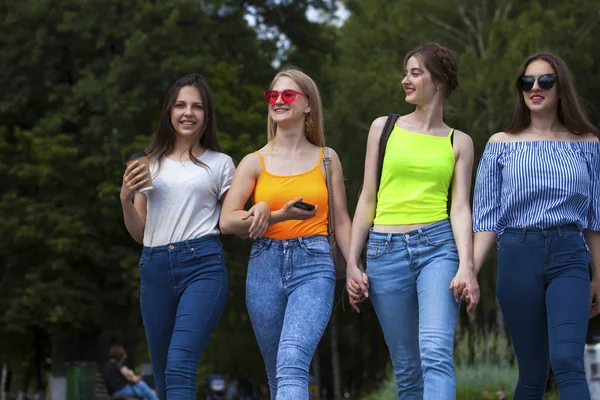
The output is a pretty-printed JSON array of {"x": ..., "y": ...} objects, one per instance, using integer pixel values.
[{"x": 122, "y": 381}]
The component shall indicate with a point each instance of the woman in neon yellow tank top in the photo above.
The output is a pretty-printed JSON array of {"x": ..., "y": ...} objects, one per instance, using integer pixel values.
[{"x": 419, "y": 262}]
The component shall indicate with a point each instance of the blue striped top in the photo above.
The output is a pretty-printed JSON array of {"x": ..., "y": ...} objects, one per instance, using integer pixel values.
[{"x": 537, "y": 184}]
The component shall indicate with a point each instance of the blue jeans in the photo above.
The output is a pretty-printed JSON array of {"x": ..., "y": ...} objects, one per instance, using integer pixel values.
[
  {"x": 410, "y": 275},
  {"x": 139, "y": 390},
  {"x": 289, "y": 295},
  {"x": 182, "y": 296},
  {"x": 543, "y": 289}
]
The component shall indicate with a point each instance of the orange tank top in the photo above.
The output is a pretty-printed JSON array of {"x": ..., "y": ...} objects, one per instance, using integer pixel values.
[{"x": 276, "y": 190}]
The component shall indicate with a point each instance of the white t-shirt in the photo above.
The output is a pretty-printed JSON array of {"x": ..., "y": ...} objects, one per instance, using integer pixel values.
[{"x": 184, "y": 203}]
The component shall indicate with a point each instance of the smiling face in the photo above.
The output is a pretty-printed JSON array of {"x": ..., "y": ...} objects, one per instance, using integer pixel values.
[
  {"x": 538, "y": 99},
  {"x": 187, "y": 114},
  {"x": 280, "y": 112},
  {"x": 417, "y": 83}
]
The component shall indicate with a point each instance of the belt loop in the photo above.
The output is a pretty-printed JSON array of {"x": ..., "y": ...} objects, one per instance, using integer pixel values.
[
  {"x": 523, "y": 235},
  {"x": 388, "y": 238},
  {"x": 560, "y": 233}
]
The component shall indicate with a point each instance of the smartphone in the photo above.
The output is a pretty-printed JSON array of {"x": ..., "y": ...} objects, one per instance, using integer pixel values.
[{"x": 304, "y": 206}]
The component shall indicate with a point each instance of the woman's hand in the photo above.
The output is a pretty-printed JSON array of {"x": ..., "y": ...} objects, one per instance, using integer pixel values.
[
  {"x": 262, "y": 217},
  {"x": 290, "y": 212},
  {"x": 466, "y": 288},
  {"x": 134, "y": 178},
  {"x": 357, "y": 285}
]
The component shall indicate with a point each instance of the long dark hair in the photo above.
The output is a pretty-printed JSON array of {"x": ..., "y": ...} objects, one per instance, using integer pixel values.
[
  {"x": 569, "y": 112},
  {"x": 164, "y": 139},
  {"x": 441, "y": 62}
]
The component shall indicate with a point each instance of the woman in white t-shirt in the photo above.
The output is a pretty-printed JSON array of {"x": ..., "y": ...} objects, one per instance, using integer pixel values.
[{"x": 182, "y": 268}]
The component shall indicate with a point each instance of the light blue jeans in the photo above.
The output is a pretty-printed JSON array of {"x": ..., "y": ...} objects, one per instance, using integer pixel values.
[
  {"x": 289, "y": 295},
  {"x": 409, "y": 275},
  {"x": 139, "y": 390}
]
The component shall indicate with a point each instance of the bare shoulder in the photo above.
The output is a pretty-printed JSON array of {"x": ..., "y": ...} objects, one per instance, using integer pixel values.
[
  {"x": 590, "y": 137},
  {"x": 462, "y": 138},
  {"x": 250, "y": 163},
  {"x": 500, "y": 137},
  {"x": 377, "y": 127},
  {"x": 335, "y": 158}
]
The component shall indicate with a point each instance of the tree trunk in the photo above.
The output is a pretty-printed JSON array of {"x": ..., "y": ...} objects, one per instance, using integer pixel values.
[
  {"x": 3, "y": 376},
  {"x": 316, "y": 370},
  {"x": 335, "y": 358}
]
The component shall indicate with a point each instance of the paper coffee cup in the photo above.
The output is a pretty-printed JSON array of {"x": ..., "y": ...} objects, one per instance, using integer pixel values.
[{"x": 142, "y": 158}]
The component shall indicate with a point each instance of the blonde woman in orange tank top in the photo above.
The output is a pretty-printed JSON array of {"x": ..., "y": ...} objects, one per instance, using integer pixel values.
[{"x": 291, "y": 275}]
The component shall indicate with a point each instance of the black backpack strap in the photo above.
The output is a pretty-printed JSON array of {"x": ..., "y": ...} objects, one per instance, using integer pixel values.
[
  {"x": 385, "y": 136},
  {"x": 449, "y": 202}
]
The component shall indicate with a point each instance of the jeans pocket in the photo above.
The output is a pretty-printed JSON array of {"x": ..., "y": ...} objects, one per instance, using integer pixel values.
[
  {"x": 316, "y": 248},
  {"x": 144, "y": 260},
  {"x": 376, "y": 249},
  {"x": 439, "y": 238},
  {"x": 257, "y": 249}
]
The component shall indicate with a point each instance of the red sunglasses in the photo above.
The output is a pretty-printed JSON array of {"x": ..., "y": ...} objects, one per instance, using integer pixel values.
[{"x": 288, "y": 96}]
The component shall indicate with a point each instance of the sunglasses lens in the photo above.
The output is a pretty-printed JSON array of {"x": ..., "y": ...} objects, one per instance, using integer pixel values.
[
  {"x": 270, "y": 96},
  {"x": 527, "y": 83},
  {"x": 547, "y": 81},
  {"x": 288, "y": 96}
]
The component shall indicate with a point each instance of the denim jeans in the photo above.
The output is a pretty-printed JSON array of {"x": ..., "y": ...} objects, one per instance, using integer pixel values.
[
  {"x": 289, "y": 295},
  {"x": 410, "y": 275},
  {"x": 543, "y": 289},
  {"x": 183, "y": 294},
  {"x": 140, "y": 390}
]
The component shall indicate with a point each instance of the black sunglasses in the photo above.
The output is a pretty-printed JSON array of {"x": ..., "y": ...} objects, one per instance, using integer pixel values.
[{"x": 545, "y": 82}]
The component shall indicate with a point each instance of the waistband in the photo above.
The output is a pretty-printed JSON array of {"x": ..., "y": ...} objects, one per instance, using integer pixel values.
[
  {"x": 188, "y": 245},
  {"x": 295, "y": 242},
  {"x": 559, "y": 230},
  {"x": 440, "y": 226}
]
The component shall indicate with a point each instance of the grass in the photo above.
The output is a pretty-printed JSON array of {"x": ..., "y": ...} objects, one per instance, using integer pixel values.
[{"x": 483, "y": 365}]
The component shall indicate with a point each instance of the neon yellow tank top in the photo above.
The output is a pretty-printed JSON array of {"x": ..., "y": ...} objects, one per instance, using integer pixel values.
[{"x": 416, "y": 175}]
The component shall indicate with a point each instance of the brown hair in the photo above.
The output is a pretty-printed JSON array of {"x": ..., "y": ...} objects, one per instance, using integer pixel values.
[
  {"x": 569, "y": 112},
  {"x": 116, "y": 353},
  {"x": 441, "y": 63},
  {"x": 316, "y": 135},
  {"x": 164, "y": 140}
]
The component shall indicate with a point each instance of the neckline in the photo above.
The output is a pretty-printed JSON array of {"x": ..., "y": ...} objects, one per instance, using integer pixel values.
[
  {"x": 396, "y": 126},
  {"x": 200, "y": 157},
  {"x": 264, "y": 168}
]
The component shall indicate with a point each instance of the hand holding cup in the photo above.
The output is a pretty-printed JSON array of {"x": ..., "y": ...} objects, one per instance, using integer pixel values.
[{"x": 136, "y": 177}]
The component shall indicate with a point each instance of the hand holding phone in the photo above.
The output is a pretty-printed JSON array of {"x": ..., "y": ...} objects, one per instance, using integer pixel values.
[{"x": 304, "y": 206}]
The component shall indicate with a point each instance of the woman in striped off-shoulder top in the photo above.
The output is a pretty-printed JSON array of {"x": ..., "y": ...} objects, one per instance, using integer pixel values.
[{"x": 537, "y": 194}]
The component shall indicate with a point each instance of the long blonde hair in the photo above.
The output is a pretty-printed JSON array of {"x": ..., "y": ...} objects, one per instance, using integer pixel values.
[{"x": 316, "y": 135}]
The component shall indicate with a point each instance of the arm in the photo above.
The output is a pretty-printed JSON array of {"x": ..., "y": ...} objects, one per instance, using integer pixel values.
[
  {"x": 233, "y": 218},
  {"x": 254, "y": 222},
  {"x": 367, "y": 202},
  {"x": 356, "y": 279},
  {"x": 464, "y": 283},
  {"x": 460, "y": 212},
  {"x": 134, "y": 204},
  {"x": 592, "y": 234},
  {"x": 486, "y": 203},
  {"x": 129, "y": 375},
  {"x": 342, "y": 219},
  {"x": 593, "y": 241}
]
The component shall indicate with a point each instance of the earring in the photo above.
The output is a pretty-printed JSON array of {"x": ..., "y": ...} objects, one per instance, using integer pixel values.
[{"x": 308, "y": 123}]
